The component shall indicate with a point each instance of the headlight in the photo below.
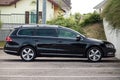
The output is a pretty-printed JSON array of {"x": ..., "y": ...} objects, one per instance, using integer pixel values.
[{"x": 109, "y": 45}]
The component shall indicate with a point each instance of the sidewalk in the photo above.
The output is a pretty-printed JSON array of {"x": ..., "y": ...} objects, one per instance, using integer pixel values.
[{"x": 1, "y": 48}]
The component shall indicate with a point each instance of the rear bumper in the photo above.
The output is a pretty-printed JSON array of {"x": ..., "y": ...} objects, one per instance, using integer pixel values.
[{"x": 11, "y": 52}]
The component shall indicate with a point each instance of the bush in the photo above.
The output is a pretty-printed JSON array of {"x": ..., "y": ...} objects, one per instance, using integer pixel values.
[
  {"x": 111, "y": 13},
  {"x": 67, "y": 22},
  {"x": 91, "y": 19},
  {"x": 77, "y": 18},
  {"x": 95, "y": 31}
]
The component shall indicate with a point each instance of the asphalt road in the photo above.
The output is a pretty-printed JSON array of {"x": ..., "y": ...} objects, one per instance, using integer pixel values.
[{"x": 12, "y": 68}]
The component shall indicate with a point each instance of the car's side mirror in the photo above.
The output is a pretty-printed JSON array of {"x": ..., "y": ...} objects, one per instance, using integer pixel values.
[{"x": 78, "y": 37}]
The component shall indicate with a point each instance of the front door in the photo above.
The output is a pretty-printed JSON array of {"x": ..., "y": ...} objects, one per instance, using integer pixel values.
[{"x": 68, "y": 45}]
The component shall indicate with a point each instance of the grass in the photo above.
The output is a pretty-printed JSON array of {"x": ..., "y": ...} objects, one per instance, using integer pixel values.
[
  {"x": 0, "y": 24},
  {"x": 95, "y": 31},
  {"x": 2, "y": 43},
  {"x": 111, "y": 13}
]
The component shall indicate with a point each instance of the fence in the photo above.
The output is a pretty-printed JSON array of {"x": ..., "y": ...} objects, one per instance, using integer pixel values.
[
  {"x": 10, "y": 21},
  {"x": 3, "y": 34},
  {"x": 12, "y": 18},
  {"x": 27, "y": 18}
]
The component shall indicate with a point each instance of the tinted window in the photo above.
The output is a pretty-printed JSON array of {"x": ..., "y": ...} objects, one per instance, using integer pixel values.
[
  {"x": 47, "y": 32},
  {"x": 28, "y": 32},
  {"x": 14, "y": 32},
  {"x": 66, "y": 33}
]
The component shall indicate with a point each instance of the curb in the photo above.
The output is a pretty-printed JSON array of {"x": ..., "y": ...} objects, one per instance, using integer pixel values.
[{"x": 1, "y": 48}]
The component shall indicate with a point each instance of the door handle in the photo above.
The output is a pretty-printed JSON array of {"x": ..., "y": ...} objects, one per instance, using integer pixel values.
[
  {"x": 36, "y": 40},
  {"x": 59, "y": 41}
]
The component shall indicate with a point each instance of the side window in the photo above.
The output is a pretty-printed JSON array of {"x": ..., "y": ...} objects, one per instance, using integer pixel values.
[
  {"x": 27, "y": 32},
  {"x": 47, "y": 32},
  {"x": 66, "y": 34}
]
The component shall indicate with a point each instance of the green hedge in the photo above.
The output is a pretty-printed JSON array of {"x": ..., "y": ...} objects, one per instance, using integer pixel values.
[
  {"x": 77, "y": 21},
  {"x": 69, "y": 22},
  {"x": 91, "y": 18},
  {"x": 111, "y": 13}
]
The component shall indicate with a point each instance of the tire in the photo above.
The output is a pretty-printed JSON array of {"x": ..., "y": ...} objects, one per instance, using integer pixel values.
[
  {"x": 27, "y": 54},
  {"x": 94, "y": 54}
]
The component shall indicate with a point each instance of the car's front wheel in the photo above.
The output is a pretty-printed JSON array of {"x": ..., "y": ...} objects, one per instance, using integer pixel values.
[
  {"x": 27, "y": 53},
  {"x": 94, "y": 54}
]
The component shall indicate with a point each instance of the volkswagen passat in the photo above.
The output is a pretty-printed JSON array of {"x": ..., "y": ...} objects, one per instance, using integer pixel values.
[{"x": 31, "y": 41}]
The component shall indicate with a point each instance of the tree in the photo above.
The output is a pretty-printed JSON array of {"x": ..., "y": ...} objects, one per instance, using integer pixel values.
[
  {"x": 91, "y": 18},
  {"x": 111, "y": 12},
  {"x": 77, "y": 17}
]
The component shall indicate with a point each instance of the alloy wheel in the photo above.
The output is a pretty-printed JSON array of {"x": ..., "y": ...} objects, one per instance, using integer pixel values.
[
  {"x": 94, "y": 54},
  {"x": 27, "y": 54}
]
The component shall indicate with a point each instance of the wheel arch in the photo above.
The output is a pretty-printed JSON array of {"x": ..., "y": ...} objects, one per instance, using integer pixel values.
[
  {"x": 91, "y": 47},
  {"x": 28, "y": 45}
]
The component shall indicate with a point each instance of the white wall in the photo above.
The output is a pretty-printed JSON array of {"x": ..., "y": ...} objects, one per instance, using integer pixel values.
[
  {"x": 113, "y": 35},
  {"x": 50, "y": 11},
  {"x": 21, "y": 7}
]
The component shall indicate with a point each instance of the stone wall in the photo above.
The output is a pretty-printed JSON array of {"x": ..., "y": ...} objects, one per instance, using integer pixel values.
[{"x": 113, "y": 35}]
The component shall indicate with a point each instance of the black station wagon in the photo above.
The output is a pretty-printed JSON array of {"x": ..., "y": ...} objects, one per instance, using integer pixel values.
[{"x": 31, "y": 41}]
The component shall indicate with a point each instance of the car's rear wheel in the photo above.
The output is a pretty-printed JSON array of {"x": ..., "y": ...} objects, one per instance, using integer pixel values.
[
  {"x": 27, "y": 53},
  {"x": 94, "y": 54}
]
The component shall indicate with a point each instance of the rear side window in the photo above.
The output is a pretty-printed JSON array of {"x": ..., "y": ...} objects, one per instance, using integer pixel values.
[
  {"x": 27, "y": 32},
  {"x": 47, "y": 32}
]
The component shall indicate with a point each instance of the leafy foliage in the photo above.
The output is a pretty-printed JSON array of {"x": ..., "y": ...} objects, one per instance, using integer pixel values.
[
  {"x": 69, "y": 22},
  {"x": 77, "y": 17},
  {"x": 75, "y": 21},
  {"x": 91, "y": 18},
  {"x": 111, "y": 12}
]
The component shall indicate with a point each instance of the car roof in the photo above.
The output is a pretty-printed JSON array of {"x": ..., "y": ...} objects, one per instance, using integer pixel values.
[{"x": 38, "y": 25}]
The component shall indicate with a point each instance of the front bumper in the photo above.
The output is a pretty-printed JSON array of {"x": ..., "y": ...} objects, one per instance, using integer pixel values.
[{"x": 109, "y": 52}]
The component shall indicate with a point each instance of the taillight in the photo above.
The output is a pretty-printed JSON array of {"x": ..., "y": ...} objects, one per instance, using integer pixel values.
[{"x": 8, "y": 39}]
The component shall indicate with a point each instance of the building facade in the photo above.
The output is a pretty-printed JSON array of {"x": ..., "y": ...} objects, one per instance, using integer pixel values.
[
  {"x": 24, "y": 11},
  {"x": 99, "y": 7}
]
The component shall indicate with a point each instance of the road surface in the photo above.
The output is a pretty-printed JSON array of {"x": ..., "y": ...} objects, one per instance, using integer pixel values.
[{"x": 12, "y": 68}]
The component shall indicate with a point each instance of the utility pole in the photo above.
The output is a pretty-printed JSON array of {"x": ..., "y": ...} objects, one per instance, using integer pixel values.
[
  {"x": 37, "y": 12},
  {"x": 44, "y": 12}
]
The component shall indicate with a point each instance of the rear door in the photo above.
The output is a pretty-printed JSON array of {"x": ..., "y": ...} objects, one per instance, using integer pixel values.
[{"x": 46, "y": 40}]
